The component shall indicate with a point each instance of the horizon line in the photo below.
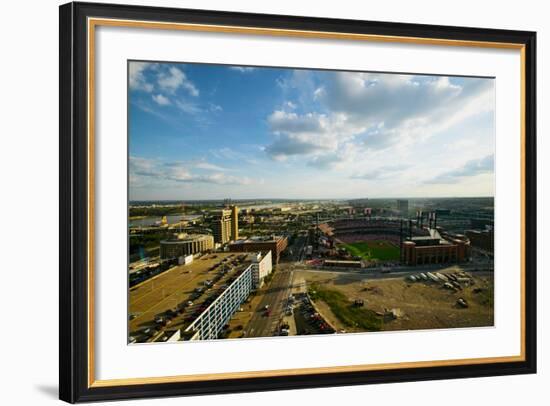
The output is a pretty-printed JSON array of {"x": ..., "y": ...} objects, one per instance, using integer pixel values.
[{"x": 311, "y": 199}]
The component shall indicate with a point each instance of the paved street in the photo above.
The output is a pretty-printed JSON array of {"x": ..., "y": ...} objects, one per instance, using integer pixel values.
[{"x": 275, "y": 297}]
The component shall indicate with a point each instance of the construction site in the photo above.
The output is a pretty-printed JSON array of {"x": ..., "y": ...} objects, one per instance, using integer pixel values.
[{"x": 355, "y": 302}]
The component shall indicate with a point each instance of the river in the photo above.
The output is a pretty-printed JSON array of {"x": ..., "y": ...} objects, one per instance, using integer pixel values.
[{"x": 172, "y": 218}]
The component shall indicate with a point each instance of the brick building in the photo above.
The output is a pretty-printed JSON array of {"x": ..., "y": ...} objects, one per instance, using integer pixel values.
[{"x": 275, "y": 244}]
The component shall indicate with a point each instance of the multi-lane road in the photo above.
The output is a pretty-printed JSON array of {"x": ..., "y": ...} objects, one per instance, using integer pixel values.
[
  {"x": 265, "y": 323},
  {"x": 262, "y": 323}
]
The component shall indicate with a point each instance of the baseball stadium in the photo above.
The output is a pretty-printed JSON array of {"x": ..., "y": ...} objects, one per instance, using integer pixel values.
[
  {"x": 382, "y": 240},
  {"x": 369, "y": 239}
]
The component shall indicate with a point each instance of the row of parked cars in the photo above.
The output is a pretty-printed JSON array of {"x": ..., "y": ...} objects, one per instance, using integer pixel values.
[{"x": 316, "y": 324}]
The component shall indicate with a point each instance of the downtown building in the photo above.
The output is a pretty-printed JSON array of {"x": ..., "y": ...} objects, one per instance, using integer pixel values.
[
  {"x": 403, "y": 207},
  {"x": 225, "y": 225},
  {"x": 275, "y": 244},
  {"x": 262, "y": 265},
  {"x": 183, "y": 245}
]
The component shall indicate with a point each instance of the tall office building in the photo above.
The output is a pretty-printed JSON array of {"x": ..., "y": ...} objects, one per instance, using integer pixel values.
[
  {"x": 234, "y": 223},
  {"x": 225, "y": 225},
  {"x": 403, "y": 207},
  {"x": 221, "y": 226}
]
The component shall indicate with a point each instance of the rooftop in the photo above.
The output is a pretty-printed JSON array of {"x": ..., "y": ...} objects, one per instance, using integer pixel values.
[
  {"x": 183, "y": 237},
  {"x": 341, "y": 261},
  {"x": 256, "y": 239}
]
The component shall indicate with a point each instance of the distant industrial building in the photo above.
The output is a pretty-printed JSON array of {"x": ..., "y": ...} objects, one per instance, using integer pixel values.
[
  {"x": 183, "y": 245},
  {"x": 282, "y": 209},
  {"x": 403, "y": 207},
  {"x": 483, "y": 239},
  {"x": 225, "y": 225},
  {"x": 275, "y": 244}
]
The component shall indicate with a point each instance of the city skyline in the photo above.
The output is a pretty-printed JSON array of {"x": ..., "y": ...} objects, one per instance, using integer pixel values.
[
  {"x": 206, "y": 132},
  {"x": 278, "y": 200}
]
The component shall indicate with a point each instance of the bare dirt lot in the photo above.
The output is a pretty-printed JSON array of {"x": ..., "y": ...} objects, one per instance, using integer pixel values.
[{"x": 419, "y": 305}]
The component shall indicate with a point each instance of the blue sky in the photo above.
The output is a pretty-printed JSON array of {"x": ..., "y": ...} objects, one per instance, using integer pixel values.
[{"x": 199, "y": 131}]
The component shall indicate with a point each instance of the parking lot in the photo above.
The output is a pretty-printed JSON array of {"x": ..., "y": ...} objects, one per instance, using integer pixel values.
[
  {"x": 179, "y": 295},
  {"x": 308, "y": 319}
]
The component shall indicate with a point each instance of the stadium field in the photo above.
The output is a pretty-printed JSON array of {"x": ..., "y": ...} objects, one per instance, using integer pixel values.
[{"x": 376, "y": 249}]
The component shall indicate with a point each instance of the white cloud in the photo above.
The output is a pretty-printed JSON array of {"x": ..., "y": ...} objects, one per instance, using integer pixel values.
[
  {"x": 215, "y": 108},
  {"x": 143, "y": 106},
  {"x": 319, "y": 93},
  {"x": 189, "y": 107},
  {"x": 161, "y": 100},
  {"x": 375, "y": 111},
  {"x": 227, "y": 153},
  {"x": 172, "y": 79},
  {"x": 137, "y": 78},
  {"x": 282, "y": 122},
  {"x": 208, "y": 166},
  {"x": 168, "y": 79},
  {"x": 290, "y": 105},
  {"x": 470, "y": 168},
  {"x": 345, "y": 154},
  {"x": 242, "y": 69},
  {"x": 390, "y": 98},
  {"x": 381, "y": 172},
  {"x": 145, "y": 170},
  {"x": 144, "y": 167},
  {"x": 308, "y": 133}
]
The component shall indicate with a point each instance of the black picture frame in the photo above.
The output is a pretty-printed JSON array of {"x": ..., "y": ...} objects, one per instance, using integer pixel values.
[{"x": 74, "y": 383}]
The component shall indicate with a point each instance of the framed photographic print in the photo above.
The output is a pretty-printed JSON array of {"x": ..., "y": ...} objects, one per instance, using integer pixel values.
[{"x": 258, "y": 202}]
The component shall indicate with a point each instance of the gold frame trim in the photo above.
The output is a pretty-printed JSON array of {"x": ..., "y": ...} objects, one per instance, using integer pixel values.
[{"x": 94, "y": 22}]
